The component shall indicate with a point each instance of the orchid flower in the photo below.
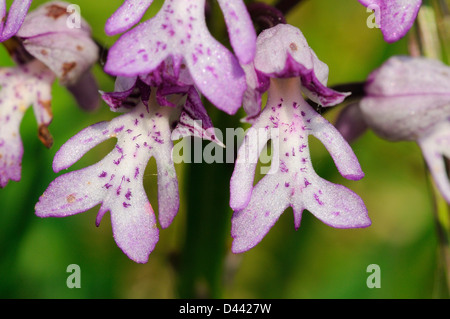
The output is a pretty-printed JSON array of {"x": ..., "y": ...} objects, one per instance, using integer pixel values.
[
  {"x": 396, "y": 16},
  {"x": 179, "y": 31},
  {"x": 287, "y": 64},
  {"x": 55, "y": 51},
  {"x": 21, "y": 87},
  {"x": 16, "y": 15},
  {"x": 145, "y": 130},
  {"x": 407, "y": 99}
]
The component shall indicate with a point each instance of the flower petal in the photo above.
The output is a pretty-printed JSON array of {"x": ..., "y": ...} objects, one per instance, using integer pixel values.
[
  {"x": 283, "y": 52},
  {"x": 288, "y": 121},
  {"x": 335, "y": 205},
  {"x": 116, "y": 181},
  {"x": 75, "y": 148},
  {"x": 435, "y": 146},
  {"x": 403, "y": 87},
  {"x": 129, "y": 13},
  {"x": 51, "y": 17},
  {"x": 250, "y": 225},
  {"x": 16, "y": 16},
  {"x": 22, "y": 87},
  {"x": 241, "y": 183},
  {"x": 179, "y": 31},
  {"x": 339, "y": 149},
  {"x": 350, "y": 122},
  {"x": 69, "y": 56},
  {"x": 397, "y": 16},
  {"x": 194, "y": 120},
  {"x": 135, "y": 230}
]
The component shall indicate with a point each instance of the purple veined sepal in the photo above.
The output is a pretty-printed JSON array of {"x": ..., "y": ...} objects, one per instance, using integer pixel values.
[
  {"x": 22, "y": 87},
  {"x": 179, "y": 31},
  {"x": 396, "y": 16},
  {"x": 16, "y": 15}
]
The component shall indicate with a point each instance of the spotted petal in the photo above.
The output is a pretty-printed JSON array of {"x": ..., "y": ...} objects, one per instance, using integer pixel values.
[
  {"x": 129, "y": 13},
  {"x": 288, "y": 121},
  {"x": 69, "y": 56},
  {"x": 406, "y": 97},
  {"x": 52, "y": 17}
]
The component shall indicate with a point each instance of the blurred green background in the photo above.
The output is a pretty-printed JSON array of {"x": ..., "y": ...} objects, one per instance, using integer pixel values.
[{"x": 193, "y": 257}]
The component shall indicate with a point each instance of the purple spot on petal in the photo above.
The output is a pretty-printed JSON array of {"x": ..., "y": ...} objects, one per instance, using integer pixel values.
[{"x": 316, "y": 197}]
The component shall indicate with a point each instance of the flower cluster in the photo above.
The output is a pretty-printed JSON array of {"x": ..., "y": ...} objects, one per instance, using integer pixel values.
[
  {"x": 45, "y": 49},
  {"x": 163, "y": 68}
]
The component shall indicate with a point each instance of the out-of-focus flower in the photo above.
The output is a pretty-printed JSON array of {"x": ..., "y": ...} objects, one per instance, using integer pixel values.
[
  {"x": 179, "y": 31},
  {"x": 396, "y": 16},
  {"x": 45, "y": 49},
  {"x": 116, "y": 182},
  {"x": 285, "y": 64},
  {"x": 68, "y": 51},
  {"x": 407, "y": 99},
  {"x": 16, "y": 15},
  {"x": 21, "y": 87}
]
